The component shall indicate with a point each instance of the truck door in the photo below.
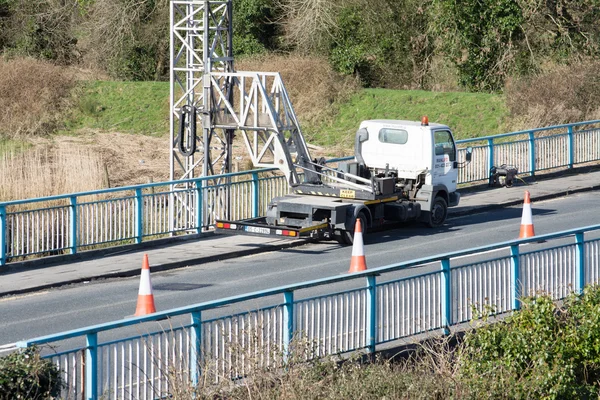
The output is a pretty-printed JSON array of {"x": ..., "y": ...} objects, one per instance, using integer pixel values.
[{"x": 445, "y": 171}]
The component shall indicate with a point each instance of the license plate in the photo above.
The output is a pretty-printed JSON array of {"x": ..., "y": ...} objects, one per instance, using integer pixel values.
[{"x": 256, "y": 229}]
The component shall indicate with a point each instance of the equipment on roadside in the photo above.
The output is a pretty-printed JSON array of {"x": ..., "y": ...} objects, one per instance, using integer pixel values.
[
  {"x": 402, "y": 170},
  {"x": 503, "y": 175}
]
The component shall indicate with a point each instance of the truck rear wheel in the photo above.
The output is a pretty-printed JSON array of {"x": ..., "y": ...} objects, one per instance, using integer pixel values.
[
  {"x": 347, "y": 237},
  {"x": 439, "y": 211}
]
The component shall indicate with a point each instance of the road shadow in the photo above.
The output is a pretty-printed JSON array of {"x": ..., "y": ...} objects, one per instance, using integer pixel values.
[{"x": 412, "y": 229}]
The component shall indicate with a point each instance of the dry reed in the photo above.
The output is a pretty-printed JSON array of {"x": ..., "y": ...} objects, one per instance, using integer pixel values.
[{"x": 46, "y": 171}]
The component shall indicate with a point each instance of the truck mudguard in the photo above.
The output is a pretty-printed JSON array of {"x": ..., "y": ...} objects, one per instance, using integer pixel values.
[
  {"x": 352, "y": 214},
  {"x": 427, "y": 193}
]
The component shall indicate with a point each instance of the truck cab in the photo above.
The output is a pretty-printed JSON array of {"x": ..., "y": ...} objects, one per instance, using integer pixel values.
[{"x": 410, "y": 151}]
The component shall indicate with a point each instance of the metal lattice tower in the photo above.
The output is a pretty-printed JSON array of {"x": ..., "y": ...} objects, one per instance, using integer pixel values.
[
  {"x": 201, "y": 42},
  {"x": 210, "y": 102}
]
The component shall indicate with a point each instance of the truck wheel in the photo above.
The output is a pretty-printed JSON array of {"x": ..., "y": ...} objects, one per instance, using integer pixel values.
[
  {"x": 348, "y": 236},
  {"x": 439, "y": 211}
]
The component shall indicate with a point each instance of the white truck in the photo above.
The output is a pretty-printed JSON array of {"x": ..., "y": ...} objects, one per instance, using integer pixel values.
[{"x": 402, "y": 170}]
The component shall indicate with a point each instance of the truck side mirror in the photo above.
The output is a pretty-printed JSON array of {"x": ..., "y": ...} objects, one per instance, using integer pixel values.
[{"x": 469, "y": 154}]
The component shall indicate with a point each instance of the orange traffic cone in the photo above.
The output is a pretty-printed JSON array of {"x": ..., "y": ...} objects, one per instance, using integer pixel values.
[
  {"x": 358, "y": 262},
  {"x": 145, "y": 303},
  {"x": 526, "y": 220}
]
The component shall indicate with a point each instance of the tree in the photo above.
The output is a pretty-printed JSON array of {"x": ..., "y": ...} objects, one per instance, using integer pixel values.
[
  {"x": 42, "y": 29},
  {"x": 129, "y": 38},
  {"x": 308, "y": 25},
  {"x": 484, "y": 38},
  {"x": 253, "y": 29}
]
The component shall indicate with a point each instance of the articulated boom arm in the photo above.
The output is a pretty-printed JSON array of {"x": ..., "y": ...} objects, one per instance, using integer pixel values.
[{"x": 262, "y": 111}]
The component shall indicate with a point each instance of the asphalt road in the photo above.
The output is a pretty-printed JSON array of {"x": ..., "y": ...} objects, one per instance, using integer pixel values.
[{"x": 91, "y": 303}]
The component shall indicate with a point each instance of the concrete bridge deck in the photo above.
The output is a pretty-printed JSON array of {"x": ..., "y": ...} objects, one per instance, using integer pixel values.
[{"x": 34, "y": 275}]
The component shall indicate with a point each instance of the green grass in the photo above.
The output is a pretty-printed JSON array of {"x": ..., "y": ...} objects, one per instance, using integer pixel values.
[
  {"x": 467, "y": 114},
  {"x": 143, "y": 107},
  {"x": 132, "y": 107}
]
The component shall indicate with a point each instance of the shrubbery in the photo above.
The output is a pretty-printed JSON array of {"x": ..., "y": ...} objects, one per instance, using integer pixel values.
[
  {"x": 561, "y": 95},
  {"x": 25, "y": 375},
  {"x": 413, "y": 44},
  {"x": 33, "y": 96},
  {"x": 543, "y": 351}
]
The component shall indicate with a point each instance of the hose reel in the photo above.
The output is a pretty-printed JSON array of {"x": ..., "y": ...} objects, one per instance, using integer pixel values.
[{"x": 189, "y": 147}]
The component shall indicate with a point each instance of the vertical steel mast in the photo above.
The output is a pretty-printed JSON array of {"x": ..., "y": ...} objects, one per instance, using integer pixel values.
[
  {"x": 200, "y": 43},
  {"x": 209, "y": 102}
]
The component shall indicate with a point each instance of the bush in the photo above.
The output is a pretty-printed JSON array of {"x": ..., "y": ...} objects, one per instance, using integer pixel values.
[
  {"x": 129, "y": 39},
  {"x": 253, "y": 33},
  {"x": 543, "y": 351},
  {"x": 563, "y": 94},
  {"x": 483, "y": 39},
  {"x": 33, "y": 95},
  {"x": 388, "y": 48},
  {"x": 25, "y": 375}
]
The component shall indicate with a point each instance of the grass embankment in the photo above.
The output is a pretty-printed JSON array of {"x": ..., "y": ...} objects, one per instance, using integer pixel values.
[
  {"x": 119, "y": 131},
  {"x": 130, "y": 107},
  {"x": 143, "y": 107},
  {"x": 468, "y": 114}
]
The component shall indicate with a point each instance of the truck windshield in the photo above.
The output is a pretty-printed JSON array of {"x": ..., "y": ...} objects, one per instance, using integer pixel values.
[
  {"x": 396, "y": 136},
  {"x": 444, "y": 144}
]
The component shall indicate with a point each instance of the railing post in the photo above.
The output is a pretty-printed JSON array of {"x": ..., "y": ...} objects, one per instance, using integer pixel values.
[
  {"x": 255, "y": 192},
  {"x": 571, "y": 146},
  {"x": 446, "y": 295},
  {"x": 532, "y": 153},
  {"x": 516, "y": 288},
  {"x": 139, "y": 209},
  {"x": 73, "y": 226},
  {"x": 288, "y": 323},
  {"x": 580, "y": 262},
  {"x": 199, "y": 201},
  {"x": 171, "y": 210},
  {"x": 490, "y": 159},
  {"x": 3, "y": 235},
  {"x": 196, "y": 348},
  {"x": 371, "y": 313},
  {"x": 91, "y": 366}
]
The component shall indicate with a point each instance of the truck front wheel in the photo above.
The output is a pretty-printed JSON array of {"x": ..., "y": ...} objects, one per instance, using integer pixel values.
[{"x": 439, "y": 211}]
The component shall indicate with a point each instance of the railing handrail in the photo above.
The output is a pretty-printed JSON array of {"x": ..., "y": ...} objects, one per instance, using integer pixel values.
[
  {"x": 145, "y": 185},
  {"x": 297, "y": 286},
  {"x": 526, "y": 131},
  {"x": 241, "y": 173}
]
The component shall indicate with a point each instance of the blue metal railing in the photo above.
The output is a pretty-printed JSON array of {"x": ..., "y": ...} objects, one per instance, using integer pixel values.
[
  {"x": 224, "y": 339},
  {"x": 70, "y": 223},
  {"x": 533, "y": 150}
]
